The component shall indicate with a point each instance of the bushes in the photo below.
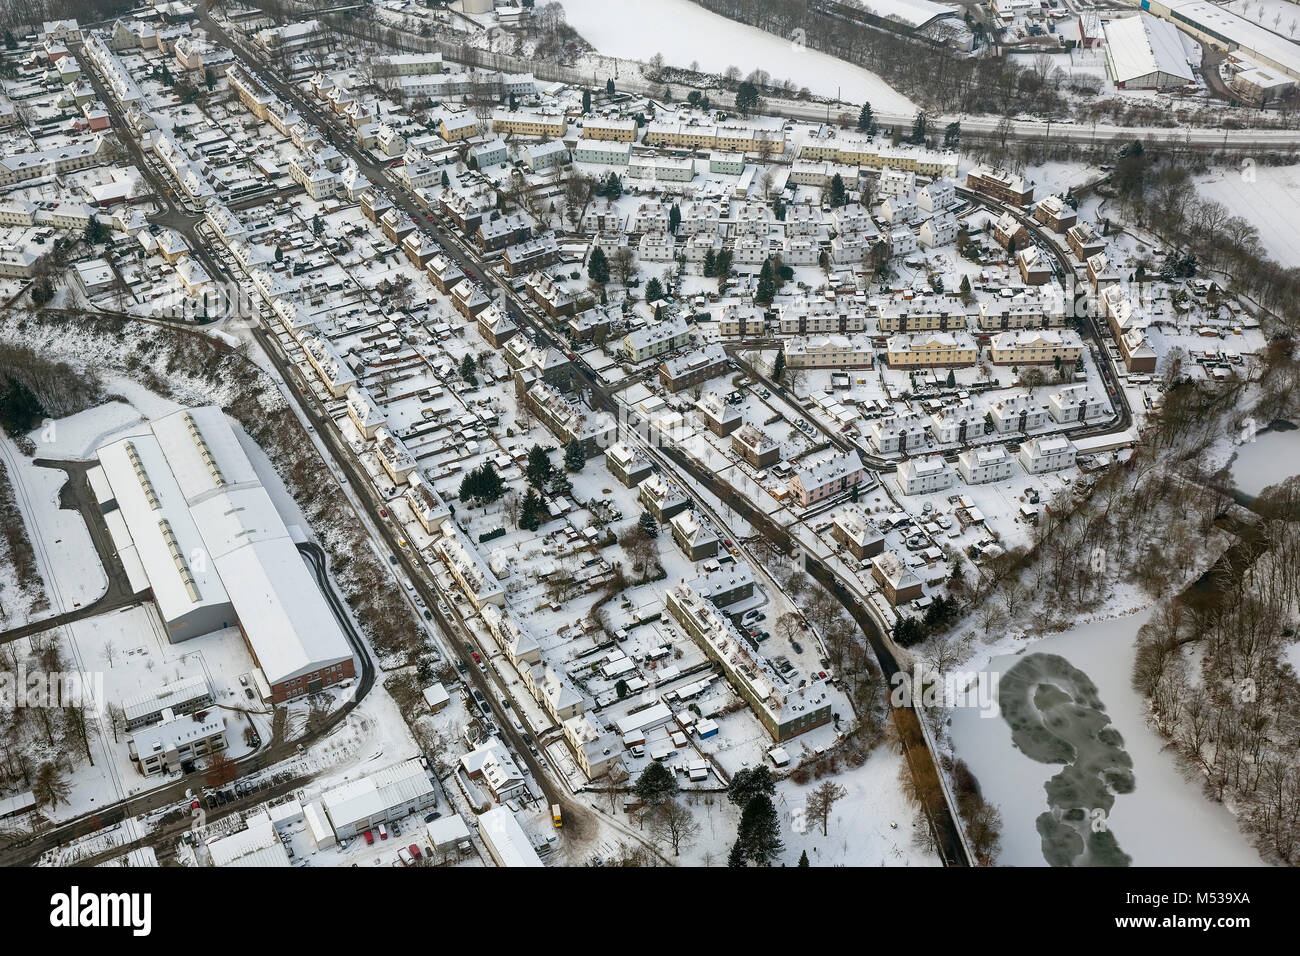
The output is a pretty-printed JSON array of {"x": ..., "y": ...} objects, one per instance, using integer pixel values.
[
  {"x": 19, "y": 545},
  {"x": 33, "y": 387}
]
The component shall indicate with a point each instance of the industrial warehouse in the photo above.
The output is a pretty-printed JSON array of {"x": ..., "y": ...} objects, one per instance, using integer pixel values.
[
  {"x": 1221, "y": 28},
  {"x": 193, "y": 522},
  {"x": 1143, "y": 53}
]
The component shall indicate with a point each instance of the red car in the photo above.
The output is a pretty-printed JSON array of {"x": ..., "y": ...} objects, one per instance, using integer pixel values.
[
  {"x": 383, "y": 512},
  {"x": 476, "y": 657},
  {"x": 415, "y": 850},
  {"x": 370, "y": 838}
]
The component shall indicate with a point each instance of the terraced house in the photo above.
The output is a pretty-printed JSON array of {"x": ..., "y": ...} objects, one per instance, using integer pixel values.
[
  {"x": 551, "y": 125},
  {"x": 1036, "y": 347},
  {"x": 931, "y": 350}
]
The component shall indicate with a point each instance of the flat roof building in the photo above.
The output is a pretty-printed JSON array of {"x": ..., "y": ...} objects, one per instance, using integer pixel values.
[{"x": 380, "y": 797}]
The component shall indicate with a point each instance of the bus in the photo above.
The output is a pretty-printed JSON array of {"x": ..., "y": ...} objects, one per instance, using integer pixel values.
[{"x": 555, "y": 815}]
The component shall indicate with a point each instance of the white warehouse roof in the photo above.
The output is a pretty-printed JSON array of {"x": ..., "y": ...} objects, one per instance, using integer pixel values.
[
  {"x": 156, "y": 514},
  {"x": 1142, "y": 46},
  {"x": 229, "y": 535}
]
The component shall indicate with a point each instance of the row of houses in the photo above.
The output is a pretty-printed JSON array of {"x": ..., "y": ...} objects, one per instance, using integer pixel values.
[
  {"x": 1074, "y": 404},
  {"x": 1059, "y": 347},
  {"x": 1038, "y": 455}
]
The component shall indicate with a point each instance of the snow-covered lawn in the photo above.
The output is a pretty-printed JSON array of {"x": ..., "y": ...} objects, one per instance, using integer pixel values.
[
  {"x": 1269, "y": 198},
  {"x": 1153, "y": 824},
  {"x": 859, "y": 831},
  {"x": 685, "y": 33}
]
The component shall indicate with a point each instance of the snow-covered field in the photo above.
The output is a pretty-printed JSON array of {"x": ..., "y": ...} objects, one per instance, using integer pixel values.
[
  {"x": 1267, "y": 196},
  {"x": 685, "y": 33},
  {"x": 1153, "y": 824},
  {"x": 65, "y": 556}
]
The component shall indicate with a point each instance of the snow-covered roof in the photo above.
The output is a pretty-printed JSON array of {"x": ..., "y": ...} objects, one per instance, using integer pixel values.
[
  {"x": 217, "y": 508},
  {"x": 1140, "y": 45},
  {"x": 154, "y": 509},
  {"x": 259, "y": 845},
  {"x": 1253, "y": 37},
  {"x": 376, "y": 794},
  {"x": 509, "y": 844}
]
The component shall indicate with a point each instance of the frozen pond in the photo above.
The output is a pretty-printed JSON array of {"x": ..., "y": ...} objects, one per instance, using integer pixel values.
[
  {"x": 1081, "y": 712},
  {"x": 685, "y": 33},
  {"x": 1272, "y": 457}
]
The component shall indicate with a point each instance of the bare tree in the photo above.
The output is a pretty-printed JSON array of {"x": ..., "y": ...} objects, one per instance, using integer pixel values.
[
  {"x": 623, "y": 265},
  {"x": 615, "y": 777},
  {"x": 674, "y": 823}
]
